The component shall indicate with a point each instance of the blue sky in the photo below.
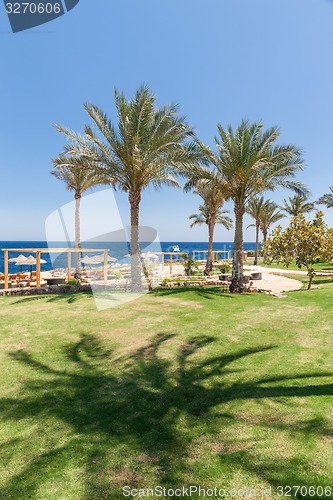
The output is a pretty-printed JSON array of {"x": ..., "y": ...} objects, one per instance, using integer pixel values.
[{"x": 221, "y": 60}]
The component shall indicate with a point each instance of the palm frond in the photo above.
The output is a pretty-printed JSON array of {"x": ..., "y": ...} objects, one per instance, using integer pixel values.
[
  {"x": 296, "y": 205},
  {"x": 327, "y": 199}
]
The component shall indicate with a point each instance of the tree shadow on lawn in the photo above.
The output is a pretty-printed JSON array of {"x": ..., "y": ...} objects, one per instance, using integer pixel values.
[
  {"x": 69, "y": 297},
  {"x": 322, "y": 280},
  {"x": 133, "y": 419},
  {"x": 206, "y": 292}
]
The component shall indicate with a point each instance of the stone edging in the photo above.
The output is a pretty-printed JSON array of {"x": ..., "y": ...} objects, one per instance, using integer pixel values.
[{"x": 45, "y": 290}]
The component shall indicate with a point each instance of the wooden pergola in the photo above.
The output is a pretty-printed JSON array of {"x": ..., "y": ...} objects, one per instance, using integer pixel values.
[
  {"x": 170, "y": 254},
  {"x": 215, "y": 254},
  {"x": 39, "y": 251}
]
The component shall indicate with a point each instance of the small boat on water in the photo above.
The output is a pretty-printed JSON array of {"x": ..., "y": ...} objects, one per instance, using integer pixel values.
[{"x": 175, "y": 248}]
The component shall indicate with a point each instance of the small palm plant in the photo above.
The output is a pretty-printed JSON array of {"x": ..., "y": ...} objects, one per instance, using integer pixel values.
[
  {"x": 254, "y": 208},
  {"x": 190, "y": 265},
  {"x": 224, "y": 268},
  {"x": 265, "y": 214},
  {"x": 79, "y": 175},
  {"x": 269, "y": 216},
  {"x": 210, "y": 213}
]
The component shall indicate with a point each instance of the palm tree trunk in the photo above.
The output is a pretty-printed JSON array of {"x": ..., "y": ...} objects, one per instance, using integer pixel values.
[
  {"x": 134, "y": 199},
  {"x": 209, "y": 262},
  {"x": 264, "y": 236},
  {"x": 237, "y": 265},
  {"x": 77, "y": 235},
  {"x": 257, "y": 245}
]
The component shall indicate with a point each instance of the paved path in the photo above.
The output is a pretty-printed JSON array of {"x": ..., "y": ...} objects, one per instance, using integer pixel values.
[{"x": 276, "y": 284}]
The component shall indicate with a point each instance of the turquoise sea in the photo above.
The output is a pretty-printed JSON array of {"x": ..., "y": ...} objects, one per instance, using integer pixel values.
[{"x": 117, "y": 249}]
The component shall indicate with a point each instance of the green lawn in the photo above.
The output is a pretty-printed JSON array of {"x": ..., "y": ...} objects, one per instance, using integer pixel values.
[
  {"x": 181, "y": 386},
  {"x": 318, "y": 266},
  {"x": 317, "y": 282}
]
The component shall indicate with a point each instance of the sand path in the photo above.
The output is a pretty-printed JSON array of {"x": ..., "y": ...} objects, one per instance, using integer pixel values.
[
  {"x": 276, "y": 284},
  {"x": 269, "y": 281}
]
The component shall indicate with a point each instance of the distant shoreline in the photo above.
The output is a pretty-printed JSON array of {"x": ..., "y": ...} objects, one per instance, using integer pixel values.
[
  {"x": 119, "y": 250},
  {"x": 171, "y": 242}
]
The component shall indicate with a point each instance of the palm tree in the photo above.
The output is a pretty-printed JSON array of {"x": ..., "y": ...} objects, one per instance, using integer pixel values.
[
  {"x": 213, "y": 197},
  {"x": 268, "y": 216},
  {"x": 146, "y": 148},
  {"x": 297, "y": 205},
  {"x": 264, "y": 214},
  {"x": 327, "y": 199},
  {"x": 247, "y": 163},
  {"x": 79, "y": 176},
  {"x": 254, "y": 208},
  {"x": 210, "y": 216}
]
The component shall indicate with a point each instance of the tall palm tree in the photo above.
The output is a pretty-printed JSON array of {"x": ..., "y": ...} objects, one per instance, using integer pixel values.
[
  {"x": 210, "y": 216},
  {"x": 297, "y": 205},
  {"x": 327, "y": 199},
  {"x": 146, "y": 148},
  {"x": 247, "y": 163},
  {"x": 79, "y": 176},
  {"x": 268, "y": 216},
  {"x": 254, "y": 207}
]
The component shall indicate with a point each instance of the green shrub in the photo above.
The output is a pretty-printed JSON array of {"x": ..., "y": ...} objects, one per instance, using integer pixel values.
[
  {"x": 72, "y": 282},
  {"x": 224, "y": 268},
  {"x": 189, "y": 265}
]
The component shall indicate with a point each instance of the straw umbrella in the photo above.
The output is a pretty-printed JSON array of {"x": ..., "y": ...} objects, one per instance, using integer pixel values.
[
  {"x": 85, "y": 260},
  {"x": 98, "y": 259},
  {"x": 15, "y": 259},
  {"x": 20, "y": 258},
  {"x": 29, "y": 261}
]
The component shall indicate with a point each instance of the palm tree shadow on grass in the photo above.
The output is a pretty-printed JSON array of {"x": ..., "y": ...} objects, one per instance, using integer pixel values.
[
  {"x": 143, "y": 403},
  {"x": 201, "y": 291},
  {"x": 69, "y": 297}
]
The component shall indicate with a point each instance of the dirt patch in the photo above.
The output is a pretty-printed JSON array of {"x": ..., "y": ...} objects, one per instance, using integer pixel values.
[
  {"x": 187, "y": 303},
  {"x": 230, "y": 447},
  {"x": 13, "y": 347},
  {"x": 309, "y": 342},
  {"x": 147, "y": 459},
  {"x": 233, "y": 339},
  {"x": 249, "y": 419},
  {"x": 125, "y": 477}
]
